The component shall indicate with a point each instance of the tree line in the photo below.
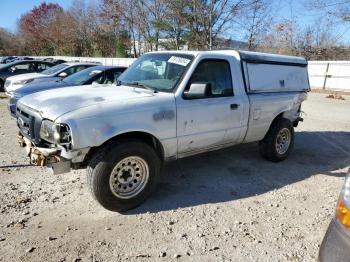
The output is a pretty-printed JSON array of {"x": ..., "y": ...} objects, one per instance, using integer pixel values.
[{"x": 128, "y": 28}]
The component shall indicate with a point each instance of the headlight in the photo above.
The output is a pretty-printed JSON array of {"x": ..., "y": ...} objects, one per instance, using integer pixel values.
[
  {"x": 343, "y": 208},
  {"x": 55, "y": 133}
]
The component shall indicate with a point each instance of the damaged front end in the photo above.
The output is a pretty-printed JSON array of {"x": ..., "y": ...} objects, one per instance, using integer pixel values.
[
  {"x": 46, "y": 142},
  {"x": 49, "y": 157}
]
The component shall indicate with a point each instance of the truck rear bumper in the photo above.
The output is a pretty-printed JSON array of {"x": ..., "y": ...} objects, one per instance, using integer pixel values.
[
  {"x": 296, "y": 121},
  {"x": 335, "y": 245},
  {"x": 58, "y": 160}
]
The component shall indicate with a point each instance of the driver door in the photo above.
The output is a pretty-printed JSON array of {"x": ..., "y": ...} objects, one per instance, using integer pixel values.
[{"x": 212, "y": 121}]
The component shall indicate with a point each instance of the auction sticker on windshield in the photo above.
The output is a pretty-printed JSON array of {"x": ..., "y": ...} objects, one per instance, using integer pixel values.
[
  {"x": 95, "y": 72},
  {"x": 179, "y": 60}
]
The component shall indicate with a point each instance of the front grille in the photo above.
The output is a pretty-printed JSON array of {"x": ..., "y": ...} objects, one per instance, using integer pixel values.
[{"x": 29, "y": 123}]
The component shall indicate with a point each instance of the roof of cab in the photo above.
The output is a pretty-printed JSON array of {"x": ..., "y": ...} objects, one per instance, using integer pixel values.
[
  {"x": 248, "y": 56},
  {"x": 265, "y": 57}
]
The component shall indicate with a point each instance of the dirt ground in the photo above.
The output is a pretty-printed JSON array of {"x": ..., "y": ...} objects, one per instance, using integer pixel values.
[{"x": 228, "y": 205}]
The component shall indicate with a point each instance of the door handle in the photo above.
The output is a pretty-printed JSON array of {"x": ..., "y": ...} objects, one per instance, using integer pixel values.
[{"x": 234, "y": 106}]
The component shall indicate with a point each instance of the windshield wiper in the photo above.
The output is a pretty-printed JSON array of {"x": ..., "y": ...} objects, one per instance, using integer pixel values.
[{"x": 138, "y": 84}]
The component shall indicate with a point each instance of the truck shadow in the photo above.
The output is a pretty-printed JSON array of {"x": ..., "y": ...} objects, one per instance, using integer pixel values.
[{"x": 240, "y": 172}]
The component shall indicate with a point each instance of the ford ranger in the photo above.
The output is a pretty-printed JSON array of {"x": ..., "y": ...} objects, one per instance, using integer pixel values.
[{"x": 165, "y": 106}]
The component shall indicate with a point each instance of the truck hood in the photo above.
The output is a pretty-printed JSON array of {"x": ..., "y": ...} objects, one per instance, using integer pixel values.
[{"x": 52, "y": 104}]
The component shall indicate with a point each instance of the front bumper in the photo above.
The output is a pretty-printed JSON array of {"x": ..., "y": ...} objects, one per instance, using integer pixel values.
[
  {"x": 57, "y": 159},
  {"x": 335, "y": 245}
]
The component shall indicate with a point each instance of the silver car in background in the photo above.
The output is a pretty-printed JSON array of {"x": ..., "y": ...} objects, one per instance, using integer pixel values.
[
  {"x": 52, "y": 74},
  {"x": 336, "y": 243}
]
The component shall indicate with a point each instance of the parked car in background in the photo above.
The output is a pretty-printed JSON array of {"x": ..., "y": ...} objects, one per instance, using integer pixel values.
[
  {"x": 93, "y": 75},
  {"x": 52, "y": 74},
  {"x": 335, "y": 246},
  {"x": 6, "y": 59},
  {"x": 55, "y": 61},
  {"x": 24, "y": 58},
  {"x": 168, "y": 105},
  {"x": 21, "y": 67},
  {"x": 18, "y": 58}
]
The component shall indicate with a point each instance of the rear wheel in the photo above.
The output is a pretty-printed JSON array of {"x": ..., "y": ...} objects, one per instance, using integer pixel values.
[
  {"x": 121, "y": 176},
  {"x": 278, "y": 142}
]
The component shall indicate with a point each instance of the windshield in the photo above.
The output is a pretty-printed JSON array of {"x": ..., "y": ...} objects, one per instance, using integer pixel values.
[
  {"x": 54, "y": 69},
  {"x": 158, "y": 71},
  {"x": 82, "y": 77},
  {"x": 8, "y": 64}
]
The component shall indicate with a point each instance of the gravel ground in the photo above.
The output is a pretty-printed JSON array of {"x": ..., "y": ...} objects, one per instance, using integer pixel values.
[{"x": 228, "y": 205}]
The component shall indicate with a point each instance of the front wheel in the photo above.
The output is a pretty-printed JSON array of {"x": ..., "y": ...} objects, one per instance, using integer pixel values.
[
  {"x": 278, "y": 142},
  {"x": 121, "y": 176}
]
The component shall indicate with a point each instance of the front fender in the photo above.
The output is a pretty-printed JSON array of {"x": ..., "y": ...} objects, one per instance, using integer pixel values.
[{"x": 158, "y": 121}]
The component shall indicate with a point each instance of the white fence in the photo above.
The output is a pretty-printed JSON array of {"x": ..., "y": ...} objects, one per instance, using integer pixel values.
[
  {"x": 334, "y": 75},
  {"x": 330, "y": 75},
  {"x": 102, "y": 60}
]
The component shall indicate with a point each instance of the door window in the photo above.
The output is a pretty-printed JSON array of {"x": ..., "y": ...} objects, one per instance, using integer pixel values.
[
  {"x": 42, "y": 67},
  {"x": 24, "y": 66},
  {"x": 215, "y": 72},
  {"x": 116, "y": 74},
  {"x": 74, "y": 69}
]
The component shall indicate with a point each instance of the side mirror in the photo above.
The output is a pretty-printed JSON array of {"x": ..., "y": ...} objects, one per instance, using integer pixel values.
[
  {"x": 63, "y": 74},
  {"x": 198, "y": 90}
]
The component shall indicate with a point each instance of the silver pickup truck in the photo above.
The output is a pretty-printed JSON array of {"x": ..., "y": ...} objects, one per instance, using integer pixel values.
[{"x": 166, "y": 106}]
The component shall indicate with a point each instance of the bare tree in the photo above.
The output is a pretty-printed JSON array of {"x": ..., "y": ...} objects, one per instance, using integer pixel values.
[
  {"x": 10, "y": 44},
  {"x": 282, "y": 38},
  {"x": 174, "y": 25},
  {"x": 207, "y": 19},
  {"x": 155, "y": 12},
  {"x": 256, "y": 21},
  {"x": 336, "y": 8},
  {"x": 82, "y": 19}
]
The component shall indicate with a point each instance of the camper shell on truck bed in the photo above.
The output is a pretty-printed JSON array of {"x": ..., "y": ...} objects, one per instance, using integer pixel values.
[
  {"x": 260, "y": 73},
  {"x": 167, "y": 105}
]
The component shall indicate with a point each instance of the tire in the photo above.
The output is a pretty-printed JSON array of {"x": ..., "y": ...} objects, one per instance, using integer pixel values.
[
  {"x": 278, "y": 142},
  {"x": 120, "y": 167}
]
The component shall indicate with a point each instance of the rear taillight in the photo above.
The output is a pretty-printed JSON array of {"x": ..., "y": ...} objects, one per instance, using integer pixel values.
[{"x": 343, "y": 207}]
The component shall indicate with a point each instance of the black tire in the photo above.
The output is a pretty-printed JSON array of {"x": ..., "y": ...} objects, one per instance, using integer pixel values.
[
  {"x": 267, "y": 146},
  {"x": 100, "y": 169}
]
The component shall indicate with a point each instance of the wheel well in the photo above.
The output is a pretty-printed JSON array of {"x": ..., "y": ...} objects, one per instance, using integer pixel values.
[
  {"x": 142, "y": 136},
  {"x": 278, "y": 117}
]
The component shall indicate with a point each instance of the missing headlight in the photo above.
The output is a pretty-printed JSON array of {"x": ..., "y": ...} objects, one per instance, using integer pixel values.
[{"x": 55, "y": 133}]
